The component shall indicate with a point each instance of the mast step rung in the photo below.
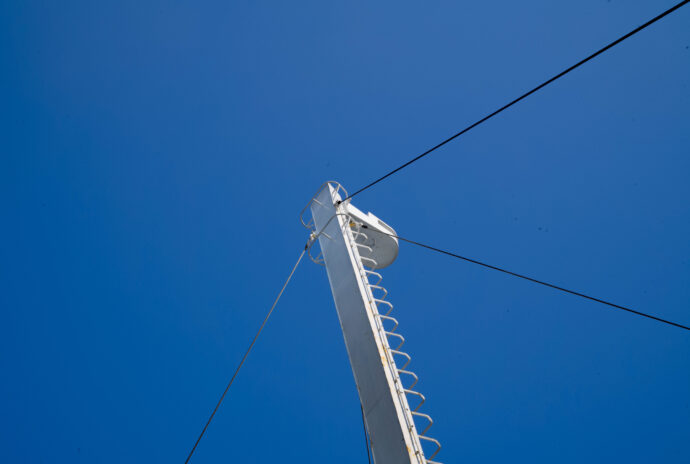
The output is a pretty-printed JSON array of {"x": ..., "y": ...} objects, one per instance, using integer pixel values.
[
  {"x": 434, "y": 441},
  {"x": 403, "y": 354},
  {"x": 411, "y": 374},
  {"x": 428, "y": 418},
  {"x": 388, "y": 318},
  {"x": 398, "y": 336},
  {"x": 415, "y": 393}
]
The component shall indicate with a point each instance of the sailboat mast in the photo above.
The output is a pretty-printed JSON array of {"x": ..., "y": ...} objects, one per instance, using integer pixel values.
[{"x": 353, "y": 248}]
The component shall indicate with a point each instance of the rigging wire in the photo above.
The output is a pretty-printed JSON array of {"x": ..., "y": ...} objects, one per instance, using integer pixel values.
[
  {"x": 525, "y": 95},
  {"x": 366, "y": 434},
  {"x": 251, "y": 345},
  {"x": 536, "y": 281}
]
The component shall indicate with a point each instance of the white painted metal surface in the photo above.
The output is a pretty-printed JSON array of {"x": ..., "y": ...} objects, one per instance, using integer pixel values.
[
  {"x": 346, "y": 248},
  {"x": 380, "y": 247}
]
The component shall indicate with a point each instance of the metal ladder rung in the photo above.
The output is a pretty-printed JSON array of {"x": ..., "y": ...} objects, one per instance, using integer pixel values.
[
  {"x": 356, "y": 234},
  {"x": 434, "y": 441},
  {"x": 388, "y": 318},
  {"x": 361, "y": 245},
  {"x": 411, "y": 374},
  {"x": 382, "y": 289},
  {"x": 318, "y": 259},
  {"x": 416, "y": 393},
  {"x": 396, "y": 335},
  {"x": 384, "y": 302},
  {"x": 405, "y": 355},
  {"x": 375, "y": 274},
  {"x": 427, "y": 417}
]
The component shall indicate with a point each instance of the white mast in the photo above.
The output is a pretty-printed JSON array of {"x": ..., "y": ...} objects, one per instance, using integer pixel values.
[{"x": 353, "y": 244}]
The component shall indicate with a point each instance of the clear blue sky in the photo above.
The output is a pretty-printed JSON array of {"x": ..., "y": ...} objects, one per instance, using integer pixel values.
[{"x": 155, "y": 157}]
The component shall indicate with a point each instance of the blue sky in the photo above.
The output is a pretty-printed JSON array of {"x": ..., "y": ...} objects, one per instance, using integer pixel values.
[{"x": 155, "y": 157}]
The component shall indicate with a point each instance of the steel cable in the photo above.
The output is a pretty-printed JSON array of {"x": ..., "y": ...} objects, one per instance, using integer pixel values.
[
  {"x": 536, "y": 281},
  {"x": 523, "y": 96},
  {"x": 251, "y": 345}
]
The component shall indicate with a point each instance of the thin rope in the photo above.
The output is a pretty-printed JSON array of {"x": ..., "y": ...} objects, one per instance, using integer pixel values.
[
  {"x": 540, "y": 282},
  {"x": 525, "y": 95},
  {"x": 245, "y": 355}
]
